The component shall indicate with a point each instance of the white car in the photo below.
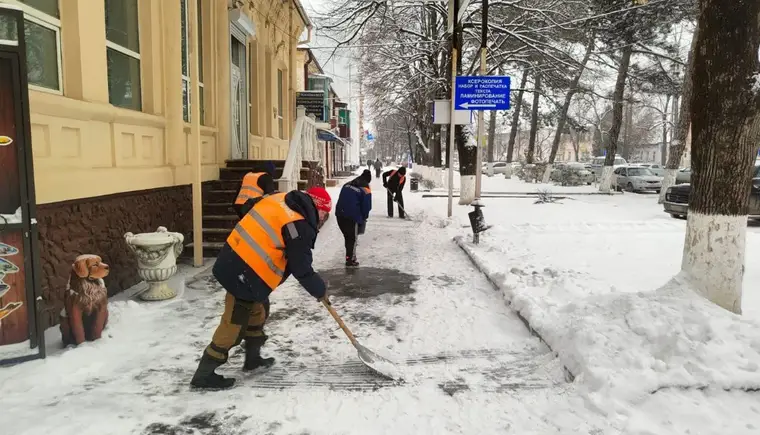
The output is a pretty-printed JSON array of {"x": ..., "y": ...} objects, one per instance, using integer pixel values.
[
  {"x": 656, "y": 169},
  {"x": 498, "y": 168},
  {"x": 597, "y": 163},
  {"x": 683, "y": 176},
  {"x": 637, "y": 179}
]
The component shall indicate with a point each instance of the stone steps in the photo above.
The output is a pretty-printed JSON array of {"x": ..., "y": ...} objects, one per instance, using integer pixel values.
[{"x": 219, "y": 217}]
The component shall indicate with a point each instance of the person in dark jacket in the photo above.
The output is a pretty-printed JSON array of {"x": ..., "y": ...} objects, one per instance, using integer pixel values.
[
  {"x": 378, "y": 168},
  {"x": 394, "y": 181},
  {"x": 352, "y": 212},
  {"x": 254, "y": 186},
  {"x": 273, "y": 241}
]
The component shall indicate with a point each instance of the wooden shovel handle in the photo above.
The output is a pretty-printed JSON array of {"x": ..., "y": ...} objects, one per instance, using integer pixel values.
[{"x": 337, "y": 318}]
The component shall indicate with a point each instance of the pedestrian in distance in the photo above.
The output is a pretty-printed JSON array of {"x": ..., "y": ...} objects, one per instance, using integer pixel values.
[
  {"x": 352, "y": 212},
  {"x": 255, "y": 186},
  {"x": 378, "y": 168},
  {"x": 394, "y": 181},
  {"x": 272, "y": 241}
]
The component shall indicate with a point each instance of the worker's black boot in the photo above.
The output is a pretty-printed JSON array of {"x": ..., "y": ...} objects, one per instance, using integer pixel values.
[
  {"x": 351, "y": 262},
  {"x": 253, "y": 359},
  {"x": 206, "y": 378}
]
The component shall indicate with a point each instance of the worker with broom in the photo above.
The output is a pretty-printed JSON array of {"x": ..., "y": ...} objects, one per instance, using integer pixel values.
[
  {"x": 271, "y": 242},
  {"x": 255, "y": 185},
  {"x": 394, "y": 181},
  {"x": 352, "y": 212}
]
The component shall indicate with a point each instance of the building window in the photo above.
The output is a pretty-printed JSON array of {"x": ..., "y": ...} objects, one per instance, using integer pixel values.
[
  {"x": 123, "y": 54},
  {"x": 280, "y": 121},
  {"x": 42, "y": 29},
  {"x": 186, "y": 87}
]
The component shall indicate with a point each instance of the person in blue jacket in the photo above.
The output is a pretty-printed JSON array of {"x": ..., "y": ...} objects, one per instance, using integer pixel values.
[{"x": 352, "y": 212}]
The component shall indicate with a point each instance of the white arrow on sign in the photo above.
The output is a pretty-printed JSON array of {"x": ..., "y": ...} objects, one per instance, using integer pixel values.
[{"x": 475, "y": 106}]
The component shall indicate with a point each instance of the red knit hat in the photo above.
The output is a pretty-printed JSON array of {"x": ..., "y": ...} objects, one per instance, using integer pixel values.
[{"x": 321, "y": 198}]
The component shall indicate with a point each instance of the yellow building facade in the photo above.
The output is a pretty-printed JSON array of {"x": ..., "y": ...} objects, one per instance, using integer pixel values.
[
  {"x": 110, "y": 111},
  {"x": 109, "y": 83}
]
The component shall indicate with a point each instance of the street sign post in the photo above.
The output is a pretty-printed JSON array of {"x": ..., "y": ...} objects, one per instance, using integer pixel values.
[{"x": 482, "y": 93}]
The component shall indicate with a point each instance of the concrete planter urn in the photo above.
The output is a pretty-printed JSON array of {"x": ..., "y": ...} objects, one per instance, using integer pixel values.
[{"x": 156, "y": 260}]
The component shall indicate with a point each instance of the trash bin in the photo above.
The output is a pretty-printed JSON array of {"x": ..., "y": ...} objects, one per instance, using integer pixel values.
[{"x": 414, "y": 185}]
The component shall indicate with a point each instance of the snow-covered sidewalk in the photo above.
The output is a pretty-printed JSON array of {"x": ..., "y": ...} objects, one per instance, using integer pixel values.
[
  {"x": 593, "y": 276},
  {"x": 472, "y": 367}
]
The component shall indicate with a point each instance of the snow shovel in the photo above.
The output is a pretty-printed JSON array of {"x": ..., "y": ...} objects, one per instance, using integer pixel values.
[{"x": 375, "y": 362}]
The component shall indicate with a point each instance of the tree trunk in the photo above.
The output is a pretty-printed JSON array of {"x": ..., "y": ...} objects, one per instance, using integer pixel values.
[
  {"x": 678, "y": 143},
  {"x": 617, "y": 117},
  {"x": 491, "y": 136},
  {"x": 565, "y": 108},
  {"x": 411, "y": 144},
  {"x": 516, "y": 117},
  {"x": 664, "y": 144},
  {"x": 437, "y": 146},
  {"x": 574, "y": 136},
  {"x": 467, "y": 150},
  {"x": 726, "y": 130},
  {"x": 534, "y": 120}
]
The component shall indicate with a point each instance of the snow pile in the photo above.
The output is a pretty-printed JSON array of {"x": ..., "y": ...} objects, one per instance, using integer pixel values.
[
  {"x": 627, "y": 345},
  {"x": 15, "y": 218}
]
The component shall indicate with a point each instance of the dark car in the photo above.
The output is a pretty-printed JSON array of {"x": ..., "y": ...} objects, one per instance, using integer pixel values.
[{"x": 677, "y": 198}]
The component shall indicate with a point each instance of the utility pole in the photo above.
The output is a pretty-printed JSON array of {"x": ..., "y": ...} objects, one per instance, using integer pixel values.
[
  {"x": 453, "y": 14},
  {"x": 481, "y": 124},
  {"x": 361, "y": 116}
]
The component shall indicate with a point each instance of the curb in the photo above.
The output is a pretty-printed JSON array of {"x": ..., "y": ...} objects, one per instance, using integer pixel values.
[{"x": 459, "y": 240}]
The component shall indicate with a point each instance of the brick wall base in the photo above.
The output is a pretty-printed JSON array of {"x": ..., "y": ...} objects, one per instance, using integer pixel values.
[{"x": 96, "y": 226}]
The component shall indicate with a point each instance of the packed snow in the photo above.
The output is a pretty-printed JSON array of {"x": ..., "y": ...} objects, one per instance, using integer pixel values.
[
  {"x": 628, "y": 347},
  {"x": 468, "y": 362}
]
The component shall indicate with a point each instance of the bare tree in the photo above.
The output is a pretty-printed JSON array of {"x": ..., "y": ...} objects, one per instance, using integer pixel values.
[
  {"x": 682, "y": 127},
  {"x": 726, "y": 130},
  {"x": 516, "y": 116},
  {"x": 562, "y": 119},
  {"x": 534, "y": 119}
]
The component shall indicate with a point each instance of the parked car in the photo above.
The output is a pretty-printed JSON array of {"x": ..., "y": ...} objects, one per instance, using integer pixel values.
[
  {"x": 683, "y": 176},
  {"x": 498, "y": 167},
  {"x": 597, "y": 163},
  {"x": 677, "y": 198},
  {"x": 656, "y": 169},
  {"x": 637, "y": 179},
  {"x": 571, "y": 174}
]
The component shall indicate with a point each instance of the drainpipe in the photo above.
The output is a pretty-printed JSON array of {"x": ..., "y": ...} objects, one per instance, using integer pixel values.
[
  {"x": 195, "y": 136},
  {"x": 305, "y": 19},
  {"x": 306, "y": 70}
]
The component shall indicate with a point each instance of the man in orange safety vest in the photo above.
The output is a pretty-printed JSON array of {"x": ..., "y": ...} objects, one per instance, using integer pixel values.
[{"x": 271, "y": 242}]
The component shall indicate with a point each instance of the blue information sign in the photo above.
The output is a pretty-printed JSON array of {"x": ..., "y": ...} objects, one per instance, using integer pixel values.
[{"x": 482, "y": 93}]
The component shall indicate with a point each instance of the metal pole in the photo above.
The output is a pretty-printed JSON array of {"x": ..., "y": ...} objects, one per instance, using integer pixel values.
[
  {"x": 453, "y": 4},
  {"x": 195, "y": 134},
  {"x": 481, "y": 124}
]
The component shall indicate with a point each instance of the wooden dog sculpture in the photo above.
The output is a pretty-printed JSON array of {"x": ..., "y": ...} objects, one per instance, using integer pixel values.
[{"x": 85, "y": 312}]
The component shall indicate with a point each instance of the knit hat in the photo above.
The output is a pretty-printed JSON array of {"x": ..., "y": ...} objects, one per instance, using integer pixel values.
[
  {"x": 321, "y": 198},
  {"x": 402, "y": 170},
  {"x": 270, "y": 167},
  {"x": 366, "y": 176}
]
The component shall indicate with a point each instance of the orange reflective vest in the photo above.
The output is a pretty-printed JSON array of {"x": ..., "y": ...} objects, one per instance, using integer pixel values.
[
  {"x": 367, "y": 190},
  {"x": 400, "y": 179},
  {"x": 257, "y": 238},
  {"x": 250, "y": 188}
]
